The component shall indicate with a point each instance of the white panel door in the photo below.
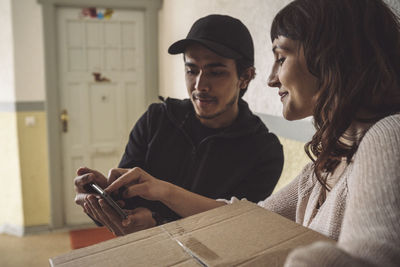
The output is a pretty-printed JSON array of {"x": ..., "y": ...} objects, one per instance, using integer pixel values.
[{"x": 100, "y": 113}]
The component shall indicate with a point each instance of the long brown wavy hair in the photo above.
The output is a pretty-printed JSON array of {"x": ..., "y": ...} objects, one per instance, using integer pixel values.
[{"x": 353, "y": 48}]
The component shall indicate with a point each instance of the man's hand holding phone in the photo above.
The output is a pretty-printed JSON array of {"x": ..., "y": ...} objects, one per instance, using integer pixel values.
[
  {"x": 99, "y": 205},
  {"x": 109, "y": 200},
  {"x": 84, "y": 178}
]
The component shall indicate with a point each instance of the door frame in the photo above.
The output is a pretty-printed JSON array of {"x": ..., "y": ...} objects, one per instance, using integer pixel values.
[{"x": 49, "y": 8}]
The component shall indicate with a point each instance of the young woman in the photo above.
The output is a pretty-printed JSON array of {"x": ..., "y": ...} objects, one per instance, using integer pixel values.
[{"x": 338, "y": 61}]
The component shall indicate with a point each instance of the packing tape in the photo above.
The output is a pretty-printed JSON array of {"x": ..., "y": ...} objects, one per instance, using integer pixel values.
[{"x": 194, "y": 248}]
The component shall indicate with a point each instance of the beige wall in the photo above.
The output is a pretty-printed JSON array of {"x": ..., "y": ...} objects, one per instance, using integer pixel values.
[
  {"x": 29, "y": 50},
  {"x": 6, "y": 53}
]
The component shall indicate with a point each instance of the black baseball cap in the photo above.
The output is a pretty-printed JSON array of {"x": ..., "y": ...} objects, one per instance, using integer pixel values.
[{"x": 224, "y": 35}]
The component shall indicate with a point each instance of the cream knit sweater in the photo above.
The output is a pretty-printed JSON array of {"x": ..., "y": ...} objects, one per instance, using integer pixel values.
[{"x": 362, "y": 211}]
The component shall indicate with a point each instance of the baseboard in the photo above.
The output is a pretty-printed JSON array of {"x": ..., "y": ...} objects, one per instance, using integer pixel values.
[
  {"x": 38, "y": 229},
  {"x": 23, "y": 230},
  {"x": 12, "y": 229}
]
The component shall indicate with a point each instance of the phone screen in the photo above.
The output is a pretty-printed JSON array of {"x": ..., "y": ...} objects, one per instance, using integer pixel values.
[{"x": 109, "y": 200}]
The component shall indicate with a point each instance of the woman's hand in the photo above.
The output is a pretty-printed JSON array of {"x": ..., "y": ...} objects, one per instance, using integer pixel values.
[{"x": 138, "y": 183}]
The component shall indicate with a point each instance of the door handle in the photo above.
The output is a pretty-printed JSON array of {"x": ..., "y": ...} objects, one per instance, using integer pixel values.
[{"x": 64, "y": 120}]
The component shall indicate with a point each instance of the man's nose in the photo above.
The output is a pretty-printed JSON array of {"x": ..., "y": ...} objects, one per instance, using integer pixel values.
[{"x": 201, "y": 82}]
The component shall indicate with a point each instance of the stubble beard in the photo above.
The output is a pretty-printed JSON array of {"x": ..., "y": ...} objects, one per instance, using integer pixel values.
[{"x": 225, "y": 109}]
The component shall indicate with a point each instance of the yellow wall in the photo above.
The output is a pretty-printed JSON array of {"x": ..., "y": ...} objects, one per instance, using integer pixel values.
[
  {"x": 34, "y": 168},
  {"x": 295, "y": 160},
  {"x": 11, "y": 196},
  {"x": 24, "y": 198}
]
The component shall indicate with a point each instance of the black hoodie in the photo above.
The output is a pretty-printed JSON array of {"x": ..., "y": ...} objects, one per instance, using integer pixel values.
[{"x": 243, "y": 160}]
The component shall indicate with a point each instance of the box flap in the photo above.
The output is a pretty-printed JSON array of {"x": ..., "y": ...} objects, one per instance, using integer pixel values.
[
  {"x": 242, "y": 234},
  {"x": 150, "y": 246}
]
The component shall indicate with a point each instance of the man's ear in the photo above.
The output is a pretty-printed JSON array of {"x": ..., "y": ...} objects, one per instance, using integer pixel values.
[{"x": 246, "y": 77}]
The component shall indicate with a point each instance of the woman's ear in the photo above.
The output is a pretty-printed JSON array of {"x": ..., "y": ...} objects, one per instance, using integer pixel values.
[{"x": 246, "y": 77}]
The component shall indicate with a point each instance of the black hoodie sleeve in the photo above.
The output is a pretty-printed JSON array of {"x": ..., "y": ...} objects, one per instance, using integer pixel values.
[
  {"x": 260, "y": 183},
  {"x": 135, "y": 150}
]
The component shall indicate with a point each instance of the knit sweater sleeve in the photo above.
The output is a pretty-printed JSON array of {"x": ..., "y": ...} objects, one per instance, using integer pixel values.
[
  {"x": 284, "y": 202},
  {"x": 370, "y": 234}
]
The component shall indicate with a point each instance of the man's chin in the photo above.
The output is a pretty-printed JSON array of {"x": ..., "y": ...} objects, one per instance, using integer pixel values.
[
  {"x": 206, "y": 116},
  {"x": 204, "y": 112}
]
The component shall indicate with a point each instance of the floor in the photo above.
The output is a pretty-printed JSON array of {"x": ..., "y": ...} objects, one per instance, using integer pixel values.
[{"x": 32, "y": 250}]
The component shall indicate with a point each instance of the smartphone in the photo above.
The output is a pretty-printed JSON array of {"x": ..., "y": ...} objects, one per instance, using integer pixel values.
[{"x": 109, "y": 200}]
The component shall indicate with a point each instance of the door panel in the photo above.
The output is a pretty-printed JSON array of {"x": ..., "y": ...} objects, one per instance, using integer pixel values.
[{"x": 100, "y": 112}]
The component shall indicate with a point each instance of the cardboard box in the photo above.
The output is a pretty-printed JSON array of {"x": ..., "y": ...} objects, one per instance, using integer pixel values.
[{"x": 241, "y": 234}]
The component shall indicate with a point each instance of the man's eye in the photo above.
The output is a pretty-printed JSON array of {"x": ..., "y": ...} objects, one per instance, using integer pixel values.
[
  {"x": 216, "y": 73},
  {"x": 190, "y": 71},
  {"x": 280, "y": 60}
]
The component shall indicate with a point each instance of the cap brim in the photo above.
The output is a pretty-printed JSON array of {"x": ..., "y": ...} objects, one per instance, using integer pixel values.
[{"x": 224, "y": 51}]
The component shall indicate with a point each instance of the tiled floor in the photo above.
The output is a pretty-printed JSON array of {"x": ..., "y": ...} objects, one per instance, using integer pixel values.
[{"x": 32, "y": 250}]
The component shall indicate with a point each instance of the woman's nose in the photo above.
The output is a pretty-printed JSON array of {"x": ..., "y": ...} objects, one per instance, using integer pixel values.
[{"x": 273, "y": 80}]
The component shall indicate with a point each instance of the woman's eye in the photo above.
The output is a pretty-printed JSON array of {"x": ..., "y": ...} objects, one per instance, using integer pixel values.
[{"x": 280, "y": 60}]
